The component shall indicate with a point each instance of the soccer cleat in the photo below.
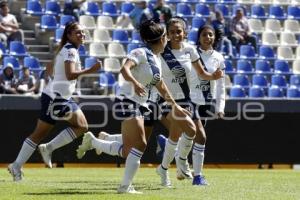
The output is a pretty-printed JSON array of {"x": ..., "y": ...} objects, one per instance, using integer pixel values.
[
  {"x": 85, "y": 145},
  {"x": 102, "y": 135},
  {"x": 46, "y": 155},
  {"x": 199, "y": 180},
  {"x": 183, "y": 169},
  {"x": 164, "y": 176},
  {"x": 161, "y": 143},
  {"x": 16, "y": 172},
  {"x": 127, "y": 189}
]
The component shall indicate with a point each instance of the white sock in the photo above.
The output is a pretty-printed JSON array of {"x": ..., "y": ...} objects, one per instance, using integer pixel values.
[
  {"x": 26, "y": 151},
  {"x": 64, "y": 137},
  {"x": 115, "y": 137},
  {"x": 113, "y": 148},
  {"x": 198, "y": 158},
  {"x": 184, "y": 146},
  {"x": 169, "y": 153},
  {"x": 131, "y": 165}
]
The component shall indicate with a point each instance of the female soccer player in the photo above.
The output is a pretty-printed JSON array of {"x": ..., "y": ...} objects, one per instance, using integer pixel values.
[{"x": 57, "y": 103}]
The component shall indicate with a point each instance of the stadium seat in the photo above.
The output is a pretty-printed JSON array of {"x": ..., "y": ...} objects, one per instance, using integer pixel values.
[
  {"x": 228, "y": 66},
  {"x": 256, "y": 25},
  {"x": 97, "y": 49},
  {"x": 262, "y": 66},
  {"x": 298, "y": 53},
  {"x": 244, "y": 66},
  {"x": 126, "y": 7},
  {"x": 82, "y": 51},
  {"x": 34, "y": 8},
  {"x": 224, "y": 9},
  {"x": 249, "y": 2},
  {"x": 116, "y": 50},
  {"x": 12, "y": 60},
  {"x": 89, "y": 62},
  {"x": 110, "y": 9},
  {"x": 101, "y": 35},
  {"x": 296, "y": 67},
  {"x": 3, "y": 49},
  {"x": 58, "y": 34},
  {"x": 275, "y": 92},
  {"x": 288, "y": 39},
  {"x": 281, "y": 67},
  {"x": 112, "y": 65},
  {"x": 132, "y": 46},
  {"x": 266, "y": 52},
  {"x": 193, "y": 36},
  {"x": 259, "y": 80},
  {"x": 258, "y": 11},
  {"x": 273, "y": 25},
  {"x": 64, "y": 19},
  {"x": 184, "y": 10},
  {"x": 291, "y": 25},
  {"x": 295, "y": 2},
  {"x": 105, "y": 22},
  {"x": 295, "y": 80},
  {"x": 277, "y": 12},
  {"x": 107, "y": 79},
  {"x": 270, "y": 39},
  {"x": 256, "y": 92},
  {"x": 32, "y": 63},
  {"x": 88, "y": 38},
  {"x": 198, "y": 22},
  {"x": 285, "y": 53},
  {"x": 136, "y": 37},
  {"x": 237, "y": 92},
  {"x": 17, "y": 48},
  {"x": 293, "y": 92},
  {"x": 263, "y": 2},
  {"x": 293, "y": 12},
  {"x": 52, "y": 8},
  {"x": 202, "y": 10},
  {"x": 88, "y": 22},
  {"x": 92, "y": 9},
  {"x": 278, "y": 80},
  {"x": 121, "y": 36},
  {"x": 48, "y": 22},
  {"x": 247, "y": 52},
  {"x": 241, "y": 80}
]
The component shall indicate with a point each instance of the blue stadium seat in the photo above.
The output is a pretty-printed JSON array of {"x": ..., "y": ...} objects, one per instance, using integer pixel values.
[
  {"x": 247, "y": 52},
  {"x": 58, "y": 34},
  {"x": 89, "y": 62},
  {"x": 52, "y": 8},
  {"x": 256, "y": 92},
  {"x": 3, "y": 49},
  {"x": 32, "y": 63},
  {"x": 278, "y": 80},
  {"x": 34, "y": 8},
  {"x": 110, "y": 9},
  {"x": 262, "y": 66},
  {"x": 12, "y": 60},
  {"x": 266, "y": 52},
  {"x": 295, "y": 80},
  {"x": 202, "y": 10},
  {"x": 17, "y": 48},
  {"x": 241, "y": 80},
  {"x": 198, "y": 22},
  {"x": 281, "y": 67},
  {"x": 228, "y": 67},
  {"x": 244, "y": 66},
  {"x": 223, "y": 8},
  {"x": 210, "y": 1},
  {"x": 136, "y": 37},
  {"x": 92, "y": 9},
  {"x": 276, "y": 12},
  {"x": 126, "y": 7},
  {"x": 184, "y": 10},
  {"x": 48, "y": 22},
  {"x": 107, "y": 79},
  {"x": 293, "y": 92},
  {"x": 64, "y": 19},
  {"x": 293, "y": 12},
  {"x": 258, "y": 11},
  {"x": 82, "y": 51},
  {"x": 275, "y": 92},
  {"x": 193, "y": 36},
  {"x": 259, "y": 80},
  {"x": 120, "y": 35},
  {"x": 237, "y": 92},
  {"x": 132, "y": 46}
]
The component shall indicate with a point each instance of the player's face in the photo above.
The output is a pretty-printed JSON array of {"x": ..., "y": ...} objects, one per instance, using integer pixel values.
[
  {"x": 77, "y": 35},
  {"x": 176, "y": 33},
  {"x": 207, "y": 38}
]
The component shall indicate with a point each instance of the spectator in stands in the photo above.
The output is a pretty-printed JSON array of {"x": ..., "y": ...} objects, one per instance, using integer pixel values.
[
  {"x": 221, "y": 32},
  {"x": 240, "y": 32},
  {"x": 140, "y": 13},
  {"x": 26, "y": 83},
  {"x": 9, "y": 27},
  {"x": 162, "y": 11},
  {"x": 42, "y": 81},
  {"x": 72, "y": 7},
  {"x": 8, "y": 80}
]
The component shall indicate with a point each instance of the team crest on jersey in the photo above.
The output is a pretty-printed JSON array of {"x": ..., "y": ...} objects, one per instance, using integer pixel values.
[
  {"x": 156, "y": 78},
  {"x": 137, "y": 53},
  {"x": 188, "y": 54},
  {"x": 71, "y": 55}
]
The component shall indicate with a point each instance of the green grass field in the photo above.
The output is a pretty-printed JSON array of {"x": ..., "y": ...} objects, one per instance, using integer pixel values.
[{"x": 101, "y": 183}]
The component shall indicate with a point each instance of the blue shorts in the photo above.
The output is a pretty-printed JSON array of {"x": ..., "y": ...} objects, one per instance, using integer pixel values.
[
  {"x": 53, "y": 110},
  {"x": 151, "y": 117}
]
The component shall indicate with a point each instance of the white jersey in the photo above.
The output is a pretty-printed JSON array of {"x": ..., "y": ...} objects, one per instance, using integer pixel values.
[
  {"x": 212, "y": 60},
  {"x": 185, "y": 56},
  {"x": 60, "y": 84},
  {"x": 143, "y": 73}
]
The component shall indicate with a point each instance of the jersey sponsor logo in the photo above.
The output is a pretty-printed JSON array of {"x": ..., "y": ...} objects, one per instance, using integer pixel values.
[
  {"x": 178, "y": 80},
  {"x": 178, "y": 71}
]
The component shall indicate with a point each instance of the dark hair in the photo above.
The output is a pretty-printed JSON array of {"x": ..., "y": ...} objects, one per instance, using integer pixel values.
[
  {"x": 217, "y": 36},
  {"x": 70, "y": 26},
  {"x": 3, "y": 4},
  {"x": 176, "y": 19},
  {"x": 151, "y": 31}
]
